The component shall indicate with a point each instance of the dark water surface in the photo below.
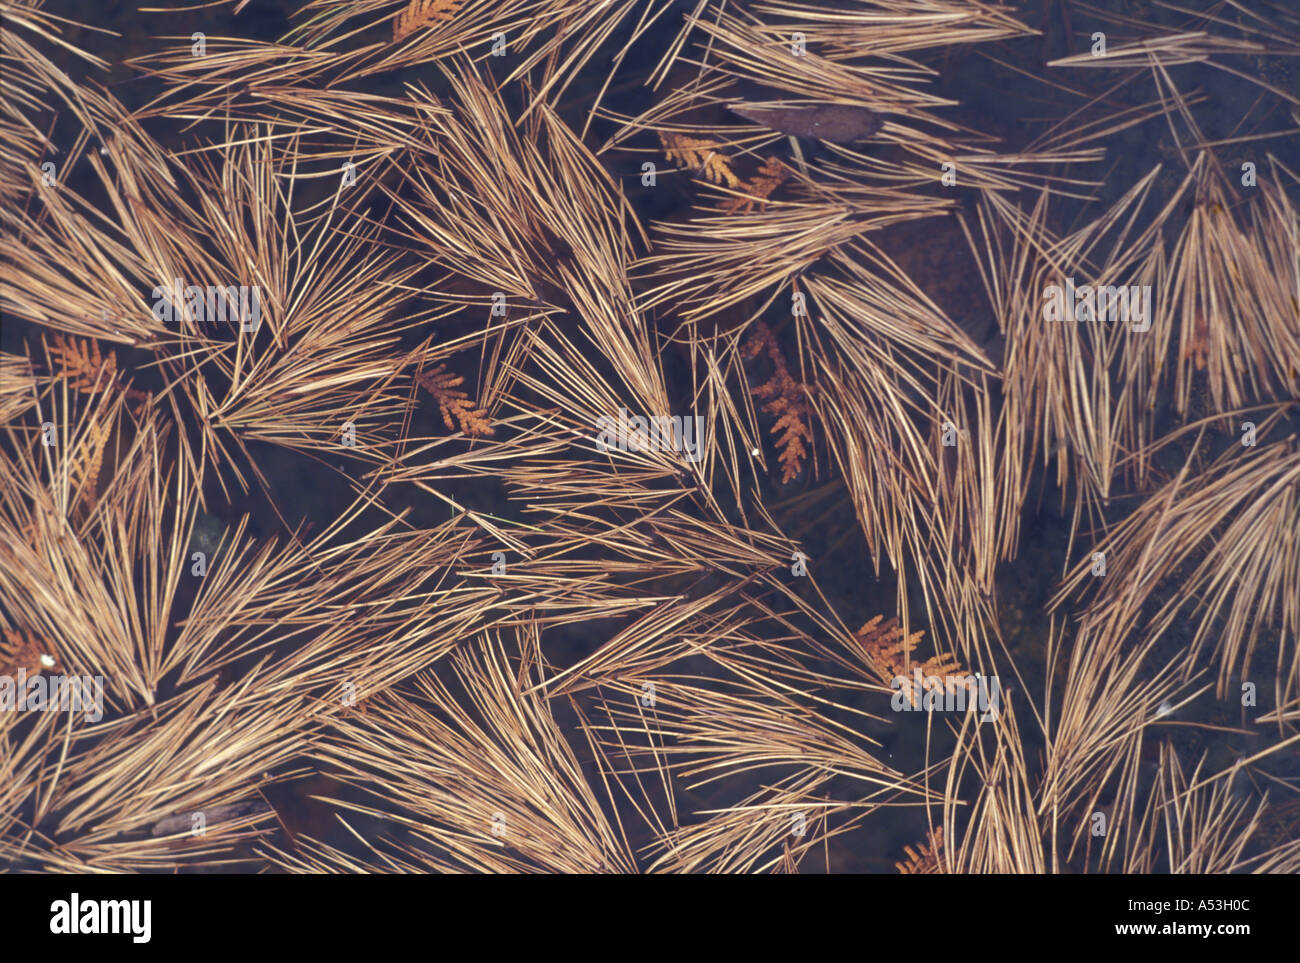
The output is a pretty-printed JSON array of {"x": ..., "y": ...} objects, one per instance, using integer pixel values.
[{"x": 994, "y": 99}]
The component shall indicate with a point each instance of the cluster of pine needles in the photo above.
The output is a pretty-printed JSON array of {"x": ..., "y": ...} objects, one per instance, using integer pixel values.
[{"x": 364, "y": 587}]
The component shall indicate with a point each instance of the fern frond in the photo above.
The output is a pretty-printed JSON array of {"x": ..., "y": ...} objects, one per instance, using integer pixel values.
[
  {"x": 80, "y": 363},
  {"x": 891, "y": 655},
  {"x": 83, "y": 473}
]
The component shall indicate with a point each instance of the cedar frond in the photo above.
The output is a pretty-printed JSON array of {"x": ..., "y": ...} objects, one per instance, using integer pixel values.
[
  {"x": 925, "y": 859},
  {"x": 891, "y": 654},
  {"x": 788, "y": 402},
  {"x": 81, "y": 365},
  {"x": 421, "y": 13},
  {"x": 83, "y": 473},
  {"x": 23, "y": 650},
  {"x": 1198, "y": 345},
  {"x": 700, "y": 155},
  {"x": 759, "y": 188},
  {"x": 455, "y": 403}
]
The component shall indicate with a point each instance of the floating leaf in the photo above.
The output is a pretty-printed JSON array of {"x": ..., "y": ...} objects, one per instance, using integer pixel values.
[
  {"x": 421, "y": 13},
  {"x": 454, "y": 403},
  {"x": 787, "y": 402},
  {"x": 838, "y": 123},
  {"x": 701, "y": 155},
  {"x": 759, "y": 187}
]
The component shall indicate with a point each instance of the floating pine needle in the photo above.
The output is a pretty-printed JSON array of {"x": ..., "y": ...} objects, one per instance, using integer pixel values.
[
  {"x": 421, "y": 13},
  {"x": 788, "y": 403},
  {"x": 455, "y": 403}
]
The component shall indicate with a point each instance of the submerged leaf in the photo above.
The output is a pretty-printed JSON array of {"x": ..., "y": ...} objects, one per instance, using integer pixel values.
[{"x": 838, "y": 123}]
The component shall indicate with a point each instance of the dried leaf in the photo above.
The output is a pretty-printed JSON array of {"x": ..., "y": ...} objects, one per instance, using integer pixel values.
[
  {"x": 79, "y": 362},
  {"x": 924, "y": 860},
  {"x": 759, "y": 187},
  {"x": 84, "y": 470},
  {"x": 454, "y": 403},
  {"x": 700, "y": 155},
  {"x": 838, "y": 123},
  {"x": 891, "y": 653},
  {"x": 788, "y": 402},
  {"x": 421, "y": 13},
  {"x": 1198, "y": 345},
  {"x": 81, "y": 365},
  {"x": 23, "y": 650}
]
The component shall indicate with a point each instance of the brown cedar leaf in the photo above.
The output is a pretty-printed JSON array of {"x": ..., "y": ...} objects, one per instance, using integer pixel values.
[
  {"x": 924, "y": 860},
  {"x": 23, "y": 650},
  {"x": 455, "y": 404},
  {"x": 788, "y": 403},
  {"x": 421, "y": 13},
  {"x": 759, "y": 187},
  {"x": 80, "y": 363},
  {"x": 83, "y": 473},
  {"x": 700, "y": 155},
  {"x": 891, "y": 653}
]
